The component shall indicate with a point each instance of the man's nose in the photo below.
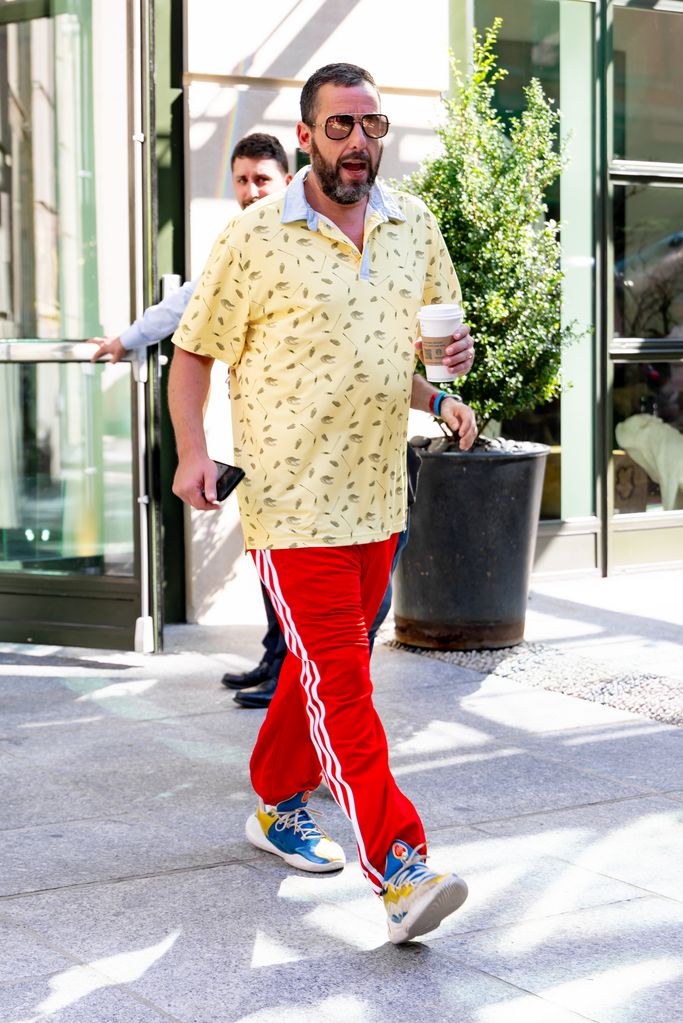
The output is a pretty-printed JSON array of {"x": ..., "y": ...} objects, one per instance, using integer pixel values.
[
  {"x": 357, "y": 136},
  {"x": 254, "y": 190}
]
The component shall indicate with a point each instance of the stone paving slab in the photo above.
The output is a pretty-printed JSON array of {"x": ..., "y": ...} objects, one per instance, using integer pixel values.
[
  {"x": 130, "y": 763},
  {"x": 222, "y": 946},
  {"x": 493, "y": 707},
  {"x": 24, "y": 956},
  {"x": 44, "y": 691},
  {"x": 408, "y": 679},
  {"x": 97, "y": 850},
  {"x": 608, "y": 682},
  {"x": 500, "y": 783},
  {"x": 638, "y": 840},
  {"x": 520, "y": 709},
  {"x": 642, "y": 754},
  {"x": 80, "y": 995},
  {"x": 613, "y": 964},
  {"x": 125, "y": 790},
  {"x": 509, "y": 882},
  {"x": 30, "y": 795},
  {"x": 372, "y": 987}
]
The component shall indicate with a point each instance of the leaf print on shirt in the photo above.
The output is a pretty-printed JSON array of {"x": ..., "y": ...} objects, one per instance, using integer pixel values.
[{"x": 350, "y": 396}]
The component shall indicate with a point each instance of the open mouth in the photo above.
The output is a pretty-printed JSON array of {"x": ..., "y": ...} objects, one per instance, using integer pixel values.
[{"x": 355, "y": 167}]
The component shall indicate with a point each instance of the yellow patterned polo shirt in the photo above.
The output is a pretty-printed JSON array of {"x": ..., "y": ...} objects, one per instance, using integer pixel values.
[{"x": 319, "y": 338}]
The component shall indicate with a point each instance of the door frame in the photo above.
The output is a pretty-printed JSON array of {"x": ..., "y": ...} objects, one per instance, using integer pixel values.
[
  {"x": 633, "y": 540},
  {"x": 108, "y": 612}
]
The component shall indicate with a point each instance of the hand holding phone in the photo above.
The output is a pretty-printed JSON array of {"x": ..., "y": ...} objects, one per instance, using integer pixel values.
[{"x": 227, "y": 479}]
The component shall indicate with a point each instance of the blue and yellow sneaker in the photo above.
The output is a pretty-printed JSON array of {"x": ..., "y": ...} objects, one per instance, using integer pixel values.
[
  {"x": 415, "y": 897},
  {"x": 289, "y": 831}
]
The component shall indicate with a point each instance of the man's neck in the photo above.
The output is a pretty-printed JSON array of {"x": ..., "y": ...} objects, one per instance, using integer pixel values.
[{"x": 349, "y": 218}]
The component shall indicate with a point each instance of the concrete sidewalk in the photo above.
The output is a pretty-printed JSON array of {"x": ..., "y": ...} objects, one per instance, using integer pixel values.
[{"x": 129, "y": 895}]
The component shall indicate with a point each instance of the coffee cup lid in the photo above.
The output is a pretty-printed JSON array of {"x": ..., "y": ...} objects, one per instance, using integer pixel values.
[{"x": 439, "y": 311}]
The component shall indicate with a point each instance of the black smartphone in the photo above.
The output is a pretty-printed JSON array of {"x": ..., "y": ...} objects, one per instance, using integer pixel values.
[{"x": 228, "y": 478}]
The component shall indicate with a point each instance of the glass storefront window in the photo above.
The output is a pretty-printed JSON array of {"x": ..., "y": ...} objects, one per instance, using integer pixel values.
[
  {"x": 66, "y": 484},
  {"x": 553, "y": 42},
  {"x": 65, "y": 231},
  {"x": 529, "y": 47},
  {"x": 648, "y": 260},
  {"x": 648, "y": 84},
  {"x": 648, "y": 454}
]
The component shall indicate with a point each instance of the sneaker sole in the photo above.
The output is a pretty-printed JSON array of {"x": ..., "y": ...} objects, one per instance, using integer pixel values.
[
  {"x": 430, "y": 911},
  {"x": 254, "y": 834}
]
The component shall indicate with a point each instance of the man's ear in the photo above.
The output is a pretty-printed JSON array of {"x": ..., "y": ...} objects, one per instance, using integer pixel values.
[
  {"x": 303, "y": 134},
  {"x": 288, "y": 179}
]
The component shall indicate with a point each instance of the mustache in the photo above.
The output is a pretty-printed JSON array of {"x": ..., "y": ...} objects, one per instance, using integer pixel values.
[{"x": 358, "y": 156}]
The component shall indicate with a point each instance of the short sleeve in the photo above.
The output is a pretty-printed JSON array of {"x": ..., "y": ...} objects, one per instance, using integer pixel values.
[
  {"x": 441, "y": 280},
  {"x": 216, "y": 319}
]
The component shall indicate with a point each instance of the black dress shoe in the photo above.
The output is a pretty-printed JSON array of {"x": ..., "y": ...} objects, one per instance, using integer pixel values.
[
  {"x": 243, "y": 679},
  {"x": 257, "y": 696}
]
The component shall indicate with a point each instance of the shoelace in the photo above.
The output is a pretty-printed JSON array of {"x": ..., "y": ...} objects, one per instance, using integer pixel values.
[
  {"x": 414, "y": 869},
  {"x": 301, "y": 820}
]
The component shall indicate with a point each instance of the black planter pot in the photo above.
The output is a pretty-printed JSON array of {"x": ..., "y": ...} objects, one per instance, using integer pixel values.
[{"x": 463, "y": 579}]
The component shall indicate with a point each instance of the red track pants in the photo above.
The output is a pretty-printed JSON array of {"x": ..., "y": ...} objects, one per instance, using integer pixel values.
[{"x": 321, "y": 722}]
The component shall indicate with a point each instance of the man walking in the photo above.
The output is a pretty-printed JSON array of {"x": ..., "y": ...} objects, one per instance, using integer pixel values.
[
  {"x": 311, "y": 298},
  {"x": 259, "y": 167}
]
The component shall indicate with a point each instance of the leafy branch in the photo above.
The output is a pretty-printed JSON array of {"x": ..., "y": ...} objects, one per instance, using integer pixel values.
[{"x": 487, "y": 189}]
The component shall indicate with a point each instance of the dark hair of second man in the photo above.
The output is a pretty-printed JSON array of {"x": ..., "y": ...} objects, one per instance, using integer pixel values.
[{"x": 259, "y": 146}]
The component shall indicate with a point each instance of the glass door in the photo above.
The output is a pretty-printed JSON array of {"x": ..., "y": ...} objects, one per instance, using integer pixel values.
[
  {"x": 78, "y": 521},
  {"x": 644, "y": 301}
]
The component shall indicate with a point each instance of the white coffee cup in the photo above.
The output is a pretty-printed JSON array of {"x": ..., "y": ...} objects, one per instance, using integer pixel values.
[{"x": 437, "y": 323}]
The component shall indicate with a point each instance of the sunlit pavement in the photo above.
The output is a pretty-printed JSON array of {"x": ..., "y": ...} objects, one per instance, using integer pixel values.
[{"x": 128, "y": 893}]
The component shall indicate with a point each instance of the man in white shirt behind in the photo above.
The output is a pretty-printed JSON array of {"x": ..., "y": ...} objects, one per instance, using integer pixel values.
[{"x": 259, "y": 167}]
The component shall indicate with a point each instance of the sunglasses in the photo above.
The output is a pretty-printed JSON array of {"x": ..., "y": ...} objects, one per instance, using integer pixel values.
[{"x": 340, "y": 126}]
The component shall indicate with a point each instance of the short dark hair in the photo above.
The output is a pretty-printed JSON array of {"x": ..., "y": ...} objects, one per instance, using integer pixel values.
[
  {"x": 259, "y": 146},
  {"x": 332, "y": 74}
]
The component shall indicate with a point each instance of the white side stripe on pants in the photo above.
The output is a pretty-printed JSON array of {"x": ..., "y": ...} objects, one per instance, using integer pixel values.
[{"x": 315, "y": 706}]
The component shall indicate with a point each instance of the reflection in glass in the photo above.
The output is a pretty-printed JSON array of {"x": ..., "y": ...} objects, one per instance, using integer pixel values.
[
  {"x": 648, "y": 455},
  {"x": 543, "y": 427},
  {"x": 648, "y": 85},
  {"x": 529, "y": 47},
  {"x": 648, "y": 260},
  {"x": 64, "y": 177},
  {"x": 66, "y": 486}
]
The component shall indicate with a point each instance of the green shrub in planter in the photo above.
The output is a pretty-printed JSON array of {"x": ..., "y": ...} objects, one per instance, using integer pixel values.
[
  {"x": 487, "y": 190},
  {"x": 462, "y": 581}
]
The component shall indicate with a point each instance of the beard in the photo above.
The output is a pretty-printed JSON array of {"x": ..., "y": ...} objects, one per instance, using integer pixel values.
[{"x": 329, "y": 176}]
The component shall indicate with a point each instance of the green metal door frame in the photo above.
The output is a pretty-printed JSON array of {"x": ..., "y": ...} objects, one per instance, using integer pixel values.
[
  {"x": 609, "y": 173},
  {"x": 120, "y": 613},
  {"x": 604, "y": 263},
  {"x": 170, "y": 240}
]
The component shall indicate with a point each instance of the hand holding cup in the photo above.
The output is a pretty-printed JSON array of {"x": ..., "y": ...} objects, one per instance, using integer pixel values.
[{"x": 437, "y": 325}]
